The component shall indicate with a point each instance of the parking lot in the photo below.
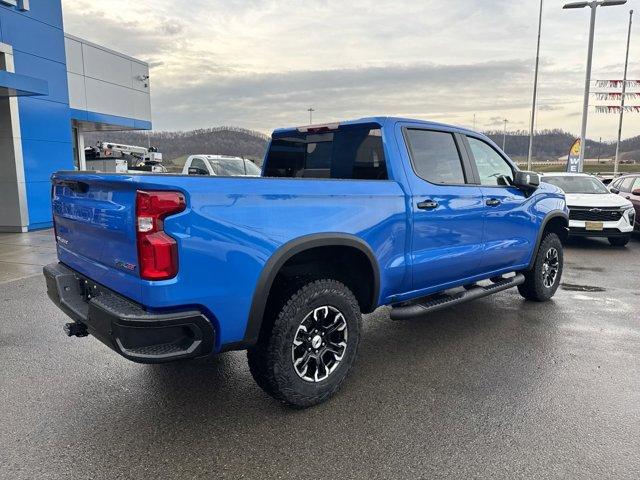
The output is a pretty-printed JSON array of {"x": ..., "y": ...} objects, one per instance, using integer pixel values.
[{"x": 497, "y": 388}]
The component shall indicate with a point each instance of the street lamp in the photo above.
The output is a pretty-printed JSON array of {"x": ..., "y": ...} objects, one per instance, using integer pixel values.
[
  {"x": 587, "y": 83},
  {"x": 535, "y": 91}
]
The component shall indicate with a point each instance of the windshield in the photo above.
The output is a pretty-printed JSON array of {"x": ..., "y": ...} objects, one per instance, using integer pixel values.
[
  {"x": 577, "y": 184},
  {"x": 229, "y": 167}
]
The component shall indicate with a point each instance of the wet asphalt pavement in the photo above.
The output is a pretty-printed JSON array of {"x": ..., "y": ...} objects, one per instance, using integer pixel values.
[{"x": 497, "y": 388}]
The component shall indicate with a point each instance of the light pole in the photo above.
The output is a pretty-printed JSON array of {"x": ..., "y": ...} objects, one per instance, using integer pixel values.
[
  {"x": 624, "y": 92},
  {"x": 504, "y": 135},
  {"x": 310, "y": 110},
  {"x": 535, "y": 91},
  {"x": 587, "y": 83}
]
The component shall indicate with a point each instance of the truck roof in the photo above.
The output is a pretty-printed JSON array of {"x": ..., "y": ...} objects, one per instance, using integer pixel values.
[{"x": 381, "y": 120}]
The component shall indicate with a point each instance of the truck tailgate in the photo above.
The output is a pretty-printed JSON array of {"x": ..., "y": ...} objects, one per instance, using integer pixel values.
[{"x": 94, "y": 221}]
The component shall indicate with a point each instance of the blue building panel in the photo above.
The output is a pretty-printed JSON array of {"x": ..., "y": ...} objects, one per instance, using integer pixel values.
[
  {"x": 31, "y": 36},
  {"x": 16, "y": 85},
  {"x": 95, "y": 117},
  {"x": 45, "y": 11},
  {"x": 39, "y": 201},
  {"x": 54, "y": 73},
  {"x": 42, "y": 158},
  {"x": 43, "y": 120},
  {"x": 40, "y": 80}
]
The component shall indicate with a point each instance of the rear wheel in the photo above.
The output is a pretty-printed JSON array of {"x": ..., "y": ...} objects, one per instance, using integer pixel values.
[
  {"x": 619, "y": 241},
  {"x": 542, "y": 281},
  {"x": 307, "y": 353}
]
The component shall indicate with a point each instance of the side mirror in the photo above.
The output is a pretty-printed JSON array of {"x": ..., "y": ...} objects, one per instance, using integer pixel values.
[
  {"x": 636, "y": 192},
  {"x": 614, "y": 190},
  {"x": 527, "y": 181}
]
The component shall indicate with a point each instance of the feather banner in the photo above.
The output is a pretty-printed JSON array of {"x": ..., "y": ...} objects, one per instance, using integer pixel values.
[
  {"x": 616, "y": 83},
  {"x": 617, "y": 108}
]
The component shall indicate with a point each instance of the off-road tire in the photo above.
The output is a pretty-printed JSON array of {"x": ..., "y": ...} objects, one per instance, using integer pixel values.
[
  {"x": 270, "y": 360},
  {"x": 534, "y": 287},
  {"x": 619, "y": 241}
]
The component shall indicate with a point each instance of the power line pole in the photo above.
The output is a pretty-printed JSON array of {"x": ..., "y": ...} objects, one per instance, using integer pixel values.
[
  {"x": 504, "y": 136},
  {"x": 535, "y": 91},
  {"x": 624, "y": 92},
  {"x": 310, "y": 110}
]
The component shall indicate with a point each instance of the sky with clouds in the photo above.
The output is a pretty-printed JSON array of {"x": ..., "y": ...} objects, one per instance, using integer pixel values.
[{"x": 260, "y": 64}]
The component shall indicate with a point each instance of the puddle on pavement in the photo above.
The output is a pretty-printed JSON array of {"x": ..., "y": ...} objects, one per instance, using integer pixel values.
[{"x": 580, "y": 288}]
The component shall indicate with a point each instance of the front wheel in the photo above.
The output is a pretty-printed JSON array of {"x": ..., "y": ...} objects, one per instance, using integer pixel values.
[
  {"x": 542, "y": 281},
  {"x": 619, "y": 241},
  {"x": 307, "y": 353}
]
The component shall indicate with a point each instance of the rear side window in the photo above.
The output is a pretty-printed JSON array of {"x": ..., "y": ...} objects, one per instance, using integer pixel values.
[
  {"x": 199, "y": 164},
  {"x": 435, "y": 156},
  {"x": 251, "y": 168},
  {"x": 348, "y": 153}
]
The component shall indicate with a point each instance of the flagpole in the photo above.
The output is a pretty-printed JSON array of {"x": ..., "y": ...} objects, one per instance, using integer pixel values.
[{"x": 624, "y": 91}]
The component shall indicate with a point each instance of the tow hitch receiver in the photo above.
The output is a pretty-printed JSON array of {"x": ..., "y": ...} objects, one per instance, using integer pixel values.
[{"x": 75, "y": 329}]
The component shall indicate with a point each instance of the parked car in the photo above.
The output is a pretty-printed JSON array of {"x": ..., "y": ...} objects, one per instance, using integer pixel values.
[
  {"x": 593, "y": 210},
  {"x": 628, "y": 187},
  {"x": 220, "y": 166},
  {"x": 607, "y": 177},
  {"x": 377, "y": 211}
]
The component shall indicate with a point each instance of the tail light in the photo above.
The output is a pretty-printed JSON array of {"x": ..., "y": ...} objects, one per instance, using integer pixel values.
[{"x": 157, "y": 251}]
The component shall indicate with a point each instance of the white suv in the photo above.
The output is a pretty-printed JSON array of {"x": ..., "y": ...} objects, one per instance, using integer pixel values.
[{"x": 593, "y": 210}]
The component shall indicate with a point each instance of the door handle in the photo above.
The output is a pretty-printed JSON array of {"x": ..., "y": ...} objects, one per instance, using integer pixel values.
[
  {"x": 493, "y": 202},
  {"x": 427, "y": 205}
]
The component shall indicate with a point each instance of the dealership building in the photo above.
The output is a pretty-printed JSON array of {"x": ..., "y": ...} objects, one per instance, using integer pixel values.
[{"x": 54, "y": 87}]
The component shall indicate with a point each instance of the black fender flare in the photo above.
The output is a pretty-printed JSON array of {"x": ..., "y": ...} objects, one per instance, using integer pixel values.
[
  {"x": 550, "y": 216},
  {"x": 280, "y": 257}
]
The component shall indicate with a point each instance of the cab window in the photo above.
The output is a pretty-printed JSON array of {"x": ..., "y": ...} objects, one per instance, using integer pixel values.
[
  {"x": 200, "y": 165},
  {"x": 493, "y": 169},
  {"x": 350, "y": 152},
  {"x": 435, "y": 156}
]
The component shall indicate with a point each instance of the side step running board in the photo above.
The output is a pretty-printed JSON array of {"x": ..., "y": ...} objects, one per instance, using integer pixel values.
[{"x": 438, "y": 302}]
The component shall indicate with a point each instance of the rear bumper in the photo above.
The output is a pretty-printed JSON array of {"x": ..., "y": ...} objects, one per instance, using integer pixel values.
[{"x": 124, "y": 326}]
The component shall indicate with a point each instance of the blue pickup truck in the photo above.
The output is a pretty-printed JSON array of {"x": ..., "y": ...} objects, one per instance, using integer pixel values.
[{"x": 346, "y": 217}]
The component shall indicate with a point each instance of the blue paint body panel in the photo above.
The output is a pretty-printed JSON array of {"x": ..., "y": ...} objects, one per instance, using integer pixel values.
[{"x": 233, "y": 226}]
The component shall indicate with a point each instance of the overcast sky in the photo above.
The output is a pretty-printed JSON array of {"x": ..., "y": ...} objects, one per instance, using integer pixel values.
[{"x": 260, "y": 64}]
